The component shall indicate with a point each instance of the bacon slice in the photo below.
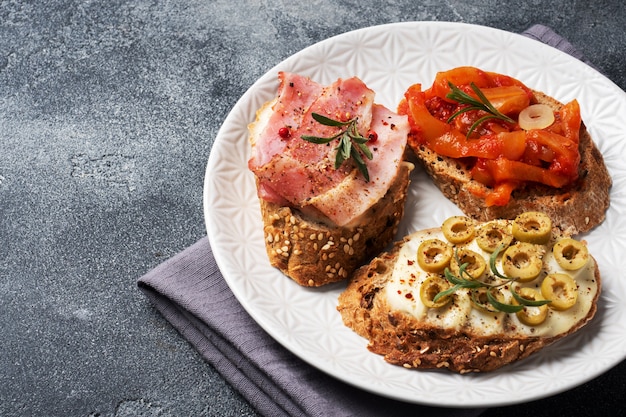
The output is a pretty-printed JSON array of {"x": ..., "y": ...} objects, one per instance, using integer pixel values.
[{"x": 291, "y": 171}]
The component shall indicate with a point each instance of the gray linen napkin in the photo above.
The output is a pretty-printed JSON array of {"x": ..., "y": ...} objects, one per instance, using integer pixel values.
[
  {"x": 546, "y": 35},
  {"x": 191, "y": 294}
]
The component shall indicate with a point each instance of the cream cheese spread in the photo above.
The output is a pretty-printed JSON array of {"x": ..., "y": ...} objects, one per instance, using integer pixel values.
[{"x": 461, "y": 314}]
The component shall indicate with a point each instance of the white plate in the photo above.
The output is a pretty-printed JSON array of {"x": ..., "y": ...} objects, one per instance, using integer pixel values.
[{"x": 388, "y": 59}]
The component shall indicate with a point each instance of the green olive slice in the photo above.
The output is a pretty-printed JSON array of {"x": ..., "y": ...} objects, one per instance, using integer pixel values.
[
  {"x": 434, "y": 255},
  {"x": 475, "y": 267},
  {"x": 458, "y": 229},
  {"x": 492, "y": 234},
  {"x": 570, "y": 254},
  {"x": 522, "y": 261},
  {"x": 532, "y": 227},
  {"x": 531, "y": 315},
  {"x": 561, "y": 290},
  {"x": 432, "y": 286}
]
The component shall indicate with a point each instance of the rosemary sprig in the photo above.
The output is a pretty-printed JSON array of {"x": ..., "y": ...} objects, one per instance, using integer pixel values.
[
  {"x": 465, "y": 280},
  {"x": 351, "y": 142},
  {"x": 481, "y": 104}
]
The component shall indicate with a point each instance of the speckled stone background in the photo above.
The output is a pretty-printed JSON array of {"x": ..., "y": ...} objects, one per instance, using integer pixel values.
[{"x": 108, "y": 111}]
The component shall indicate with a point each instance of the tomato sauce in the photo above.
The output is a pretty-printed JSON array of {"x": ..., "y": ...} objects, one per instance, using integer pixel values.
[{"x": 502, "y": 155}]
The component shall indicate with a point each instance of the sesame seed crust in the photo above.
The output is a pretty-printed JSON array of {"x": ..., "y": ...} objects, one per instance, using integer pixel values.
[{"x": 314, "y": 253}]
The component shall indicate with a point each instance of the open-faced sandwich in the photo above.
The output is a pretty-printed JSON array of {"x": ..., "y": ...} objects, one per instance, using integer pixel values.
[
  {"x": 496, "y": 149},
  {"x": 330, "y": 176},
  {"x": 471, "y": 296}
]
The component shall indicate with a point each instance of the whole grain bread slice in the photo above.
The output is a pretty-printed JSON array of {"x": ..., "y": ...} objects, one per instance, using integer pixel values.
[
  {"x": 404, "y": 340},
  {"x": 313, "y": 253},
  {"x": 575, "y": 209}
]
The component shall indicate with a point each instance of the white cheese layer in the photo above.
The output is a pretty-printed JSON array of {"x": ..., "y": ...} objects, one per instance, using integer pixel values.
[{"x": 403, "y": 294}]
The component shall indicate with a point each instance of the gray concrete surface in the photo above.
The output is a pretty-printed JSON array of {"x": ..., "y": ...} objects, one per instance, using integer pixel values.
[{"x": 108, "y": 111}]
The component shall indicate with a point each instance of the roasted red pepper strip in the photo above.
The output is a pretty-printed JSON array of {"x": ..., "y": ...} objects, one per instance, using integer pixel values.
[
  {"x": 463, "y": 76},
  {"x": 455, "y": 145},
  {"x": 505, "y": 170},
  {"x": 425, "y": 126},
  {"x": 501, "y": 194}
]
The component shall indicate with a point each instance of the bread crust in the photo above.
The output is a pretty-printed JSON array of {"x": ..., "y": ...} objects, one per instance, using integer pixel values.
[
  {"x": 314, "y": 253},
  {"x": 575, "y": 209},
  {"x": 405, "y": 341}
]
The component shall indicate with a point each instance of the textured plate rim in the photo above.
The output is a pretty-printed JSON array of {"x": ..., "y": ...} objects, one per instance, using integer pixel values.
[{"x": 221, "y": 257}]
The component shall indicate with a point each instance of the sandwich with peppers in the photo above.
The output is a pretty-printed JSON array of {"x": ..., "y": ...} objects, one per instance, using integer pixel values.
[{"x": 497, "y": 148}]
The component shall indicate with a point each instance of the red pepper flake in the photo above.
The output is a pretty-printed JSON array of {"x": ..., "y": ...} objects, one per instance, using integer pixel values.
[
  {"x": 372, "y": 136},
  {"x": 409, "y": 295},
  {"x": 410, "y": 262},
  {"x": 284, "y": 132}
]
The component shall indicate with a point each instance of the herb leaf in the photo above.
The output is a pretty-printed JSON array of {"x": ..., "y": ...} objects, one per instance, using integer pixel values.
[
  {"x": 461, "y": 282},
  {"x": 526, "y": 302},
  {"x": 492, "y": 262},
  {"x": 507, "y": 308},
  {"x": 326, "y": 121},
  {"x": 351, "y": 143},
  {"x": 318, "y": 140},
  {"x": 447, "y": 292},
  {"x": 481, "y": 104}
]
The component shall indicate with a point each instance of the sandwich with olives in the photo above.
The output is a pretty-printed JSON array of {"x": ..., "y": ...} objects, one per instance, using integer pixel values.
[
  {"x": 473, "y": 296},
  {"x": 497, "y": 148}
]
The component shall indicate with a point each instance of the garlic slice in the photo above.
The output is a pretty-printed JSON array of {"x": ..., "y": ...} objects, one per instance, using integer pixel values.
[{"x": 536, "y": 116}]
